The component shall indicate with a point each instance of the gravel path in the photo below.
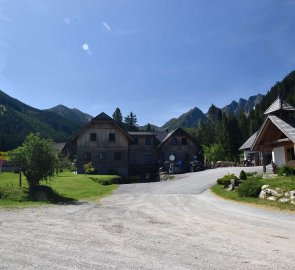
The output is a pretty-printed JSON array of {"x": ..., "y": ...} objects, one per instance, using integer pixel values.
[{"x": 168, "y": 225}]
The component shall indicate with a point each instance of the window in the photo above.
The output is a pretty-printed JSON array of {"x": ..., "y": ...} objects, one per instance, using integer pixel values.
[
  {"x": 135, "y": 141},
  {"x": 148, "y": 158},
  {"x": 148, "y": 141},
  {"x": 92, "y": 137},
  {"x": 173, "y": 141},
  {"x": 290, "y": 154},
  {"x": 87, "y": 156},
  {"x": 184, "y": 141},
  {"x": 117, "y": 156},
  {"x": 112, "y": 137},
  {"x": 102, "y": 156}
]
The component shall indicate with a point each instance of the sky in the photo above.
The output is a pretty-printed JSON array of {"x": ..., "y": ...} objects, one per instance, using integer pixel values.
[{"x": 156, "y": 58}]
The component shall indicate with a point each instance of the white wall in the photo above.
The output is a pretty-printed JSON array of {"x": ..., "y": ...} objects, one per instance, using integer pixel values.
[{"x": 278, "y": 156}]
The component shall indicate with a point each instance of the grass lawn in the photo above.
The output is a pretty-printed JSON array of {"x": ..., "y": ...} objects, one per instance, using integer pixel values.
[
  {"x": 285, "y": 183},
  {"x": 68, "y": 187}
]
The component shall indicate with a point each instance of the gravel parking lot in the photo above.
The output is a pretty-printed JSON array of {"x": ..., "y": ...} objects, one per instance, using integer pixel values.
[{"x": 167, "y": 225}]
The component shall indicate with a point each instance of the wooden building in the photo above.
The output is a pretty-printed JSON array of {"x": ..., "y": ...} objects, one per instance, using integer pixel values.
[
  {"x": 250, "y": 157},
  {"x": 277, "y": 133},
  {"x": 143, "y": 156},
  {"x": 136, "y": 156},
  {"x": 104, "y": 143},
  {"x": 179, "y": 144}
]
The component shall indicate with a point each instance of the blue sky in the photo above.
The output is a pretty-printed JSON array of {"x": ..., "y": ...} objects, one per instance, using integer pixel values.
[{"x": 156, "y": 58}]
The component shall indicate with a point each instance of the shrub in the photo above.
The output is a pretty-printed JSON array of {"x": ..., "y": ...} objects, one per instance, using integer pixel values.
[
  {"x": 225, "y": 180},
  {"x": 243, "y": 175},
  {"x": 250, "y": 174},
  {"x": 250, "y": 188},
  {"x": 286, "y": 171}
]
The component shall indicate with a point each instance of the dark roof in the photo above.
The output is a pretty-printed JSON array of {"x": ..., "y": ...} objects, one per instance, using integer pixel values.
[
  {"x": 161, "y": 135},
  {"x": 60, "y": 146},
  {"x": 249, "y": 143},
  {"x": 101, "y": 117},
  {"x": 279, "y": 104},
  {"x": 286, "y": 126},
  {"x": 168, "y": 135}
]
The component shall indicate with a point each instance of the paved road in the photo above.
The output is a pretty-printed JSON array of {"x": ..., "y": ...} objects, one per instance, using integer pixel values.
[{"x": 169, "y": 225}]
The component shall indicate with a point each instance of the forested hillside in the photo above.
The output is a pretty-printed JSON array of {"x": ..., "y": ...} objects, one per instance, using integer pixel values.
[
  {"x": 220, "y": 130},
  {"x": 71, "y": 114},
  {"x": 224, "y": 133},
  {"x": 17, "y": 120}
]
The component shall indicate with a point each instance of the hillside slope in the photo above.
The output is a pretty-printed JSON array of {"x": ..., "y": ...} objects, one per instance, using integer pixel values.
[{"x": 17, "y": 120}]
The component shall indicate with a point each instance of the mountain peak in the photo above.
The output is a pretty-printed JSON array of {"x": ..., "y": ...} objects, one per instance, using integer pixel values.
[
  {"x": 243, "y": 105},
  {"x": 71, "y": 114},
  {"x": 186, "y": 120}
]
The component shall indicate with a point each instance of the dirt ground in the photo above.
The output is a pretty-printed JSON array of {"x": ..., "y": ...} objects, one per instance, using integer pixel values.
[{"x": 169, "y": 225}]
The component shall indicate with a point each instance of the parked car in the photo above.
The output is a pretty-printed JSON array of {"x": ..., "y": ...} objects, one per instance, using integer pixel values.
[{"x": 196, "y": 166}]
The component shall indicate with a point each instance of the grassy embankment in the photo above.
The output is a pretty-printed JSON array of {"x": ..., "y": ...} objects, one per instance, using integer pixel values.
[
  {"x": 284, "y": 183},
  {"x": 67, "y": 187}
]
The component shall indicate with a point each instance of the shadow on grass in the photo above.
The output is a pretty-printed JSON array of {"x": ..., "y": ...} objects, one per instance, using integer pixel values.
[
  {"x": 105, "y": 182},
  {"x": 47, "y": 194}
]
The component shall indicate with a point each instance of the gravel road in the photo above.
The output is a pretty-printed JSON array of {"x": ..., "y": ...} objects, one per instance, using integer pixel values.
[{"x": 168, "y": 225}]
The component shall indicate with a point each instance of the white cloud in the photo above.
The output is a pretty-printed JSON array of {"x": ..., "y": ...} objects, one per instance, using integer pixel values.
[{"x": 106, "y": 26}]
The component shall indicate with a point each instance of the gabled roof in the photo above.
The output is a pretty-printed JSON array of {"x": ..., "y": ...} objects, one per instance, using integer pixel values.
[
  {"x": 286, "y": 126},
  {"x": 60, "y": 146},
  {"x": 161, "y": 135},
  {"x": 163, "y": 139},
  {"x": 101, "y": 118},
  {"x": 278, "y": 105},
  {"x": 248, "y": 144}
]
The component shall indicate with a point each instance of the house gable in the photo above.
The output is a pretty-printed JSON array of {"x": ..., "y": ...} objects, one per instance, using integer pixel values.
[{"x": 274, "y": 132}]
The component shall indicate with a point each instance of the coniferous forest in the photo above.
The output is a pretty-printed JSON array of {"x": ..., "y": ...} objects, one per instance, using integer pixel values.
[{"x": 223, "y": 133}]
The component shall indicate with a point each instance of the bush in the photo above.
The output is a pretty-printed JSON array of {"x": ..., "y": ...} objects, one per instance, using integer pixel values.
[
  {"x": 250, "y": 188},
  {"x": 225, "y": 180},
  {"x": 243, "y": 175},
  {"x": 250, "y": 174},
  {"x": 286, "y": 171}
]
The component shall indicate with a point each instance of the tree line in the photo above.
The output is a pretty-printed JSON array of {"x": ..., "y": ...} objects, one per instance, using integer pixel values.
[
  {"x": 129, "y": 122},
  {"x": 221, "y": 135}
]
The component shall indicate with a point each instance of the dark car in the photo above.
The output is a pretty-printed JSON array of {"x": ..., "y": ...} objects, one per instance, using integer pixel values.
[{"x": 196, "y": 166}]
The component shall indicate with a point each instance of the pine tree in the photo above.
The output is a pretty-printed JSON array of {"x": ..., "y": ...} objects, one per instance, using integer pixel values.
[
  {"x": 130, "y": 122},
  {"x": 117, "y": 115}
]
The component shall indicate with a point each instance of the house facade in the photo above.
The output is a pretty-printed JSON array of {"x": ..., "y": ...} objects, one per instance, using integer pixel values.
[
  {"x": 104, "y": 143},
  {"x": 277, "y": 134},
  {"x": 136, "y": 156},
  {"x": 179, "y": 144},
  {"x": 143, "y": 156}
]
